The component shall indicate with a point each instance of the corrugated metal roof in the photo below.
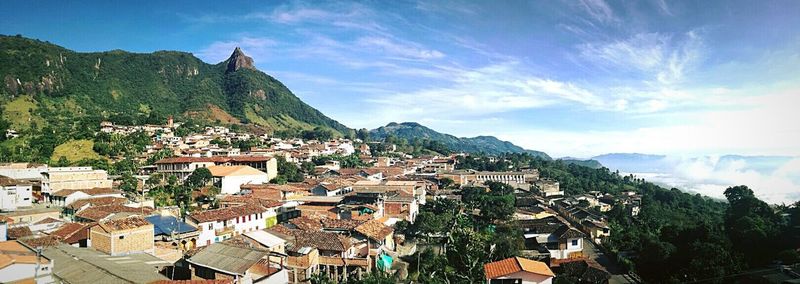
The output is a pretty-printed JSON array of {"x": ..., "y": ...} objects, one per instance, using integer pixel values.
[
  {"x": 227, "y": 258},
  {"x": 265, "y": 238},
  {"x": 86, "y": 265}
]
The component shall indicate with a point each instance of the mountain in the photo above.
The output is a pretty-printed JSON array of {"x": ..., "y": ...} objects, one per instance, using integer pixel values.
[
  {"x": 138, "y": 88},
  {"x": 486, "y": 144},
  {"x": 594, "y": 164},
  {"x": 635, "y": 162}
]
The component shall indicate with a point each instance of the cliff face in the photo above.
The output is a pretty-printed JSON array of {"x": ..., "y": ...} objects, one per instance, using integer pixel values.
[{"x": 239, "y": 60}]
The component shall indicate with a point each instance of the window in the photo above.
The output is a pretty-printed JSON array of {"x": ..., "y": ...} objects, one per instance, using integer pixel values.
[
  {"x": 575, "y": 242},
  {"x": 121, "y": 237},
  {"x": 210, "y": 227}
]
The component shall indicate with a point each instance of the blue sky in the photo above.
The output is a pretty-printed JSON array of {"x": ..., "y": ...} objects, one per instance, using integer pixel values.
[{"x": 577, "y": 78}]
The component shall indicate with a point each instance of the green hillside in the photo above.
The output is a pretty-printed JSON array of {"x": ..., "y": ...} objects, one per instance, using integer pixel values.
[
  {"x": 486, "y": 144},
  {"x": 132, "y": 88}
]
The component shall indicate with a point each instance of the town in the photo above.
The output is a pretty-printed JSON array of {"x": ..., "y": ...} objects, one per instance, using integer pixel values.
[{"x": 284, "y": 210}]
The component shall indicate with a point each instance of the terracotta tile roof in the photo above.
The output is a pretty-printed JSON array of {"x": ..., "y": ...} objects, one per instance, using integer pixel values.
[
  {"x": 73, "y": 232},
  {"x": 263, "y": 268},
  {"x": 340, "y": 224},
  {"x": 43, "y": 241},
  {"x": 18, "y": 232},
  {"x": 7, "y": 181},
  {"x": 511, "y": 265},
  {"x": 227, "y": 213},
  {"x": 90, "y": 191},
  {"x": 375, "y": 230},
  {"x": 224, "y": 171},
  {"x": 306, "y": 223},
  {"x": 250, "y": 199},
  {"x": 48, "y": 220},
  {"x": 100, "y": 201},
  {"x": 12, "y": 252},
  {"x": 132, "y": 222},
  {"x": 97, "y": 213},
  {"x": 320, "y": 240}
]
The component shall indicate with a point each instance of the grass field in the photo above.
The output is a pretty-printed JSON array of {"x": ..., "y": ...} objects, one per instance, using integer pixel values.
[
  {"x": 19, "y": 112},
  {"x": 75, "y": 150}
]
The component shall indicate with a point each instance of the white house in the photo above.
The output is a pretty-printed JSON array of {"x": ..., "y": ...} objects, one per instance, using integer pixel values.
[
  {"x": 65, "y": 197},
  {"x": 21, "y": 264},
  {"x": 224, "y": 223},
  {"x": 230, "y": 178},
  {"x": 518, "y": 270},
  {"x": 14, "y": 194}
]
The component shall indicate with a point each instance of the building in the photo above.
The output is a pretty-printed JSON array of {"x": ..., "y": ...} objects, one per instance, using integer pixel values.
[
  {"x": 224, "y": 223},
  {"x": 242, "y": 265},
  {"x": 169, "y": 229},
  {"x": 22, "y": 264},
  {"x": 66, "y": 197},
  {"x": 518, "y": 270},
  {"x": 57, "y": 179},
  {"x": 182, "y": 167},
  {"x": 123, "y": 236},
  {"x": 230, "y": 178},
  {"x": 550, "y": 238},
  {"x": 15, "y": 194},
  {"x": 464, "y": 177},
  {"x": 548, "y": 187},
  {"x": 86, "y": 265}
]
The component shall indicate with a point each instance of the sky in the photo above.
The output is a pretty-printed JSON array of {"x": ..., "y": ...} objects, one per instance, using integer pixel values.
[{"x": 571, "y": 78}]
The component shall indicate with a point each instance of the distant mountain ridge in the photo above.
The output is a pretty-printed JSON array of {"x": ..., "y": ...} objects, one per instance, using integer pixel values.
[{"x": 486, "y": 144}]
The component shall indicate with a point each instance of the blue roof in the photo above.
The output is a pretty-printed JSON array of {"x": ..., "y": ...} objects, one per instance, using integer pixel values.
[{"x": 167, "y": 225}]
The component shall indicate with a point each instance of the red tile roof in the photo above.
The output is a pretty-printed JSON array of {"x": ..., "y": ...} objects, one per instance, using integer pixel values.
[
  {"x": 124, "y": 224},
  {"x": 227, "y": 213},
  {"x": 97, "y": 213},
  {"x": 374, "y": 229},
  {"x": 511, "y": 265},
  {"x": 73, "y": 232},
  {"x": 90, "y": 191}
]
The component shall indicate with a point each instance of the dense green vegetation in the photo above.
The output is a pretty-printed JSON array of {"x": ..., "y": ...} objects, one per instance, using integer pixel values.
[
  {"x": 677, "y": 237},
  {"x": 51, "y": 90},
  {"x": 481, "y": 144}
]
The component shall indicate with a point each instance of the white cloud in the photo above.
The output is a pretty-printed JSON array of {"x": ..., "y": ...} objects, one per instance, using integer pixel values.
[
  {"x": 395, "y": 48},
  {"x": 598, "y": 10}
]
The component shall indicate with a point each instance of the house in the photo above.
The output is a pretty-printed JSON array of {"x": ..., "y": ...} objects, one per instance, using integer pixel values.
[
  {"x": 548, "y": 187},
  {"x": 381, "y": 236},
  {"x": 242, "y": 265},
  {"x": 113, "y": 211},
  {"x": 15, "y": 194},
  {"x": 61, "y": 178},
  {"x": 169, "y": 229},
  {"x": 81, "y": 204},
  {"x": 66, "y": 197},
  {"x": 230, "y": 178},
  {"x": 123, "y": 236},
  {"x": 21, "y": 264},
  {"x": 223, "y": 223},
  {"x": 74, "y": 234},
  {"x": 87, "y": 265},
  {"x": 182, "y": 167},
  {"x": 46, "y": 225},
  {"x": 550, "y": 238},
  {"x": 518, "y": 270},
  {"x": 267, "y": 241}
]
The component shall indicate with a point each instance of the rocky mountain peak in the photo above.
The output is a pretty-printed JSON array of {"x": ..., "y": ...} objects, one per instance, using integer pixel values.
[{"x": 239, "y": 60}]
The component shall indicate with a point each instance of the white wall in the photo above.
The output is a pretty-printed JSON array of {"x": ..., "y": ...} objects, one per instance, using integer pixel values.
[
  {"x": 528, "y": 278},
  {"x": 232, "y": 184}
]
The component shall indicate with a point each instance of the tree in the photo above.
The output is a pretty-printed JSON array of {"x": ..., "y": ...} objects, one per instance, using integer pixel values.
[
  {"x": 445, "y": 182},
  {"x": 363, "y": 135},
  {"x": 129, "y": 183},
  {"x": 200, "y": 177}
]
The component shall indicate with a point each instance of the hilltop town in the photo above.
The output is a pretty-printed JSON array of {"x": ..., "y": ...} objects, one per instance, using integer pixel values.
[{"x": 280, "y": 211}]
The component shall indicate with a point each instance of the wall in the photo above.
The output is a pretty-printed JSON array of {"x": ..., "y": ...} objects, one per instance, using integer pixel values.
[
  {"x": 529, "y": 278},
  {"x": 138, "y": 240},
  {"x": 232, "y": 184}
]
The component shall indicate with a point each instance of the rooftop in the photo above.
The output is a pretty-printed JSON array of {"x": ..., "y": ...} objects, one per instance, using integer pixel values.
[
  {"x": 87, "y": 265},
  {"x": 132, "y": 222},
  {"x": 227, "y": 258},
  {"x": 515, "y": 264},
  {"x": 224, "y": 171}
]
